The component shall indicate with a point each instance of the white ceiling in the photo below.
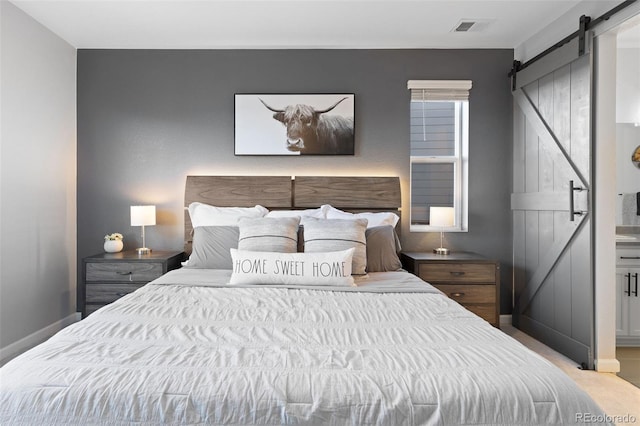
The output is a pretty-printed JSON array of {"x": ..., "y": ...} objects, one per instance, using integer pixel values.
[{"x": 245, "y": 24}]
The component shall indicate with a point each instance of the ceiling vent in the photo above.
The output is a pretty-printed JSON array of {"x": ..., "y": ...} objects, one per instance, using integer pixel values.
[
  {"x": 464, "y": 26},
  {"x": 471, "y": 25}
]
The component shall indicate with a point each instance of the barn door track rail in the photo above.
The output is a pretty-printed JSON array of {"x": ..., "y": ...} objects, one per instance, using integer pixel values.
[{"x": 585, "y": 24}]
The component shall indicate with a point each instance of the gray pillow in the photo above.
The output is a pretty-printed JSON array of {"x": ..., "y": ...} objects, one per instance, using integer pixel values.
[
  {"x": 324, "y": 235},
  {"x": 383, "y": 246},
  {"x": 269, "y": 234},
  {"x": 211, "y": 247}
]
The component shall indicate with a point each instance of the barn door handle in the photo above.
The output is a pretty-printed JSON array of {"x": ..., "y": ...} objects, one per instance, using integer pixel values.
[
  {"x": 628, "y": 290},
  {"x": 572, "y": 212}
]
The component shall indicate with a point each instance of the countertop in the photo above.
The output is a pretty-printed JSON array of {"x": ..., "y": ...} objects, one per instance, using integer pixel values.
[{"x": 627, "y": 236}]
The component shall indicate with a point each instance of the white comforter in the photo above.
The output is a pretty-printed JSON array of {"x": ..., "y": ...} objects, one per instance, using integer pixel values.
[{"x": 184, "y": 350}]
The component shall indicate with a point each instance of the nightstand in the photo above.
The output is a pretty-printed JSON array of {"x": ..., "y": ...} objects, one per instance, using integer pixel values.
[
  {"x": 467, "y": 278},
  {"x": 109, "y": 276}
]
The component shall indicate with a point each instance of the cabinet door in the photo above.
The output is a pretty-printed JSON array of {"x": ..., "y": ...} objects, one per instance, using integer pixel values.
[
  {"x": 622, "y": 302},
  {"x": 634, "y": 302}
]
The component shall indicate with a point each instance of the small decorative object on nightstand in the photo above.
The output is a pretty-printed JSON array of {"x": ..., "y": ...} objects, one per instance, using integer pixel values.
[
  {"x": 441, "y": 217},
  {"x": 113, "y": 243},
  {"x": 467, "y": 278},
  {"x": 109, "y": 276}
]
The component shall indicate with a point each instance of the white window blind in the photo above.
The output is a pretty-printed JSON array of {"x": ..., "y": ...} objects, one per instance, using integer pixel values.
[{"x": 439, "y": 90}]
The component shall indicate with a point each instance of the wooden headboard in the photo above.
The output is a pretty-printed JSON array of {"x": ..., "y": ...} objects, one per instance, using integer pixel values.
[{"x": 284, "y": 192}]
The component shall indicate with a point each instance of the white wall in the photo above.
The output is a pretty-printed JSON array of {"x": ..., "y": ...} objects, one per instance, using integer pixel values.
[
  {"x": 38, "y": 180},
  {"x": 604, "y": 242},
  {"x": 627, "y": 133},
  {"x": 628, "y": 175},
  {"x": 628, "y": 86}
]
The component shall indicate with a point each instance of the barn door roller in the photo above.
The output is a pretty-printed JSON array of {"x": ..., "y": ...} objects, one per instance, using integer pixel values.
[{"x": 582, "y": 34}]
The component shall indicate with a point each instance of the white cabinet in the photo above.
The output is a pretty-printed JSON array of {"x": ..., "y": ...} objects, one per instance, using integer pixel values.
[{"x": 628, "y": 296}]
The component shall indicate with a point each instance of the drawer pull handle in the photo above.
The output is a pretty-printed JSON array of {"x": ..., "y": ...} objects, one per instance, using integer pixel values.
[
  {"x": 457, "y": 273},
  {"x": 628, "y": 290},
  {"x": 635, "y": 292},
  {"x": 121, "y": 294},
  {"x": 457, "y": 294},
  {"x": 127, "y": 273},
  {"x": 629, "y": 257}
]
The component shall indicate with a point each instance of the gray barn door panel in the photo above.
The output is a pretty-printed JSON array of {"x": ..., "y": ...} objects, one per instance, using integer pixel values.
[{"x": 553, "y": 285}]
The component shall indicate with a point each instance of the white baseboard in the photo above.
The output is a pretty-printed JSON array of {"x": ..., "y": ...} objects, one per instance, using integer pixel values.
[
  {"x": 38, "y": 337},
  {"x": 607, "y": 365},
  {"x": 505, "y": 320}
]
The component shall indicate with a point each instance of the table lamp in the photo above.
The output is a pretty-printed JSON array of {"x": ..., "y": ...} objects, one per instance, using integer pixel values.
[
  {"x": 143, "y": 216},
  {"x": 441, "y": 217}
]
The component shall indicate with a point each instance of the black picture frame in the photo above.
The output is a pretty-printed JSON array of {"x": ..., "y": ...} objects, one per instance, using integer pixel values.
[{"x": 294, "y": 124}]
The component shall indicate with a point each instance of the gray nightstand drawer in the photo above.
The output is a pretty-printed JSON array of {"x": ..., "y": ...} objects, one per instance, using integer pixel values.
[
  {"x": 123, "y": 271},
  {"x": 469, "y": 293},
  {"x": 458, "y": 272},
  {"x": 107, "y": 293},
  {"x": 486, "y": 312}
]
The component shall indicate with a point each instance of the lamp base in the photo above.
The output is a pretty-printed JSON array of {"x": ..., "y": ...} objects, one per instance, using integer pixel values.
[
  {"x": 143, "y": 250},
  {"x": 441, "y": 250}
]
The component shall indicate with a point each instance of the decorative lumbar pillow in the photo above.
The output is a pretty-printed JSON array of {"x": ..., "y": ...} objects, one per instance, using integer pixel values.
[
  {"x": 254, "y": 267},
  {"x": 275, "y": 234},
  {"x": 383, "y": 246},
  {"x": 337, "y": 234},
  {"x": 211, "y": 245},
  {"x": 373, "y": 219},
  {"x": 317, "y": 213},
  {"x": 206, "y": 215}
]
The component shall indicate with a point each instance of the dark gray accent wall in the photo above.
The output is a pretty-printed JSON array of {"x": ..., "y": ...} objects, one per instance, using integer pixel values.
[{"x": 148, "y": 118}]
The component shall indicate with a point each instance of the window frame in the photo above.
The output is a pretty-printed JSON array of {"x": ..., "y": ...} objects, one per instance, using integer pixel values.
[{"x": 460, "y": 159}]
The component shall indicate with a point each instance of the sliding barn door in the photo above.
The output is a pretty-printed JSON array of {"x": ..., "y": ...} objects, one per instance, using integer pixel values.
[{"x": 552, "y": 247}]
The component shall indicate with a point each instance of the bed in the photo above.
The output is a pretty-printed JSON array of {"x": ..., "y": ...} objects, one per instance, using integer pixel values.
[{"x": 383, "y": 348}]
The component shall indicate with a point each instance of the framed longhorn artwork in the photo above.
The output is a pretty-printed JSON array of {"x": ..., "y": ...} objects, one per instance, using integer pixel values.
[{"x": 294, "y": 124}]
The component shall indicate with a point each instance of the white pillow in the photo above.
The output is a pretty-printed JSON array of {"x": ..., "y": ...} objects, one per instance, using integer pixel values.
[
  {"x": 373, "y": 219},
  {"x": 256, "y": 267},
  {"x": 318, "y": 213},
  {"x": 206, "y": 215}
]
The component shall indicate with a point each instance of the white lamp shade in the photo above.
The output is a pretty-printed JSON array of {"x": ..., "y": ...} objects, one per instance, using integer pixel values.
[
  {"x": 441, "y": 216},
  {"x": 143, "y": 215}
]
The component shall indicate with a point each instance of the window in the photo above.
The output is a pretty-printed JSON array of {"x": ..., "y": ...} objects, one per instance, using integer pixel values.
[{"x": 439, "y": 151}]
